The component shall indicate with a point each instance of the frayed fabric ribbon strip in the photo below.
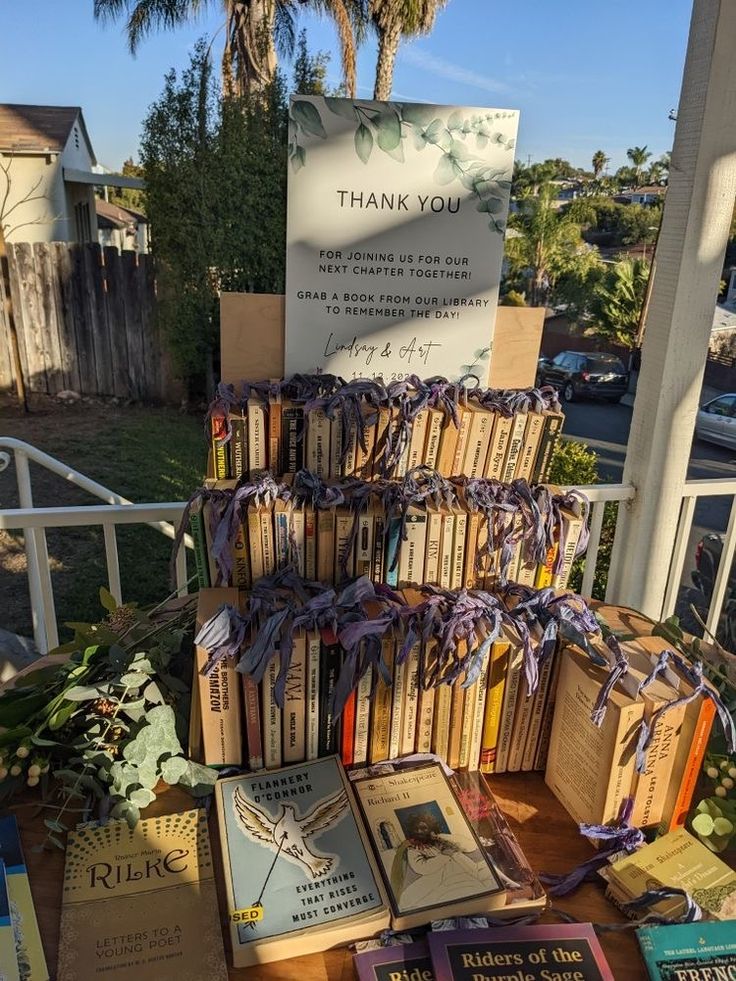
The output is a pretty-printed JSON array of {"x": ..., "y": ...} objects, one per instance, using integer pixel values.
[
  {"x": 458, "y": 627},
  {"x": 618, "y": 837}
]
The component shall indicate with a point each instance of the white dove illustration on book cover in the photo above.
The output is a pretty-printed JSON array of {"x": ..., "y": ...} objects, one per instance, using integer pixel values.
[{"x": 293, "y": 849}]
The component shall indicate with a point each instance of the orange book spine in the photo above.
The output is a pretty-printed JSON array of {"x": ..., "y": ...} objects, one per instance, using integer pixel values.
[
  {"x": 348, "y": 730},
  {"x": 694, "y": 764}
]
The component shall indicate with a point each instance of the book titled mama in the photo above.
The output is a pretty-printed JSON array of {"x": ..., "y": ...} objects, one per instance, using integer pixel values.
[
  {"x": 568, "y": 952},
  {"x": 140, "y": 904},
  {"x": 298, "y": 869}
]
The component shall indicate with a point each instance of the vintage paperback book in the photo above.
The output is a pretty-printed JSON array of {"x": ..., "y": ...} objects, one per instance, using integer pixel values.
[
  {"x": 679, "y": 860},
  {"x": 140, "y": 904},
  {"x": 433, "y": 864},
  {"x": 563, "y": 952},
  {"x": 28, "y": 937},
  {"x": 700, "y": 951},
  {"x": 299, "y": 872},
  {"x": 9, "y": 966},
  {"x": 399, "y": 962}
]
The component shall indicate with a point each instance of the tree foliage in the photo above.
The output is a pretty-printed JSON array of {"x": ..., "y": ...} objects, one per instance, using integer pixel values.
[
  {"x": 215, "y": 196},
  {"x": 393, "y": 20},
  {"x": 128, "y": 197},
  {"x": 618, "y": 299},
  {"x": 608, "y": 223}
]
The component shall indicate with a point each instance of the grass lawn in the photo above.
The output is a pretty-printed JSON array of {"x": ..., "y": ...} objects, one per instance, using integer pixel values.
[{"x": 147, "y": 454}]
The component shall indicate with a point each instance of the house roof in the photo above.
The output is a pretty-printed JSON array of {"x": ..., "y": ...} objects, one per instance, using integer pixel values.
[
  {"x": 113, "y": 216},
  {"x": 647, "y": 189},
  {"x": 39, "y": 128}
]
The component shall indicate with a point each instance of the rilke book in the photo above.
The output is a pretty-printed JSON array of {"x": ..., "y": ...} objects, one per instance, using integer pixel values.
[
  {"x": 298, "y": 869},
  {"x": 140, "y": 904}
]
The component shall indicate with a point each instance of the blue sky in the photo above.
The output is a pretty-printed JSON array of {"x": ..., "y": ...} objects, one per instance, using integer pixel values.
[{"x": 585, "y": 76}]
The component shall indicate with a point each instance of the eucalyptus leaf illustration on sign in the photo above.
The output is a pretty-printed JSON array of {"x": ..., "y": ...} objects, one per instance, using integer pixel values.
[{"x": 386, "y": 127}]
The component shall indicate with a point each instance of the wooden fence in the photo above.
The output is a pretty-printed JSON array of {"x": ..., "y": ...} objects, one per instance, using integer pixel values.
[{"x": 86, "y": 322}]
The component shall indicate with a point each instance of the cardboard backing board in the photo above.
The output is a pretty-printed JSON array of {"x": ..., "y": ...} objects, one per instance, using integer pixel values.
[{"x": 252, "y": 340}]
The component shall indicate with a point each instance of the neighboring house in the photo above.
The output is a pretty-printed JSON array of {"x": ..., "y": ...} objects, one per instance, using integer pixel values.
[
  {"x": 642, "y": 195},
  {"x": 121, "y": 227},
  {"x": 44, "y": 150}
]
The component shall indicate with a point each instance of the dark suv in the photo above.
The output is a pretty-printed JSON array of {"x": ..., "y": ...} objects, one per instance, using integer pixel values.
[{"x": 585, "y": 375}]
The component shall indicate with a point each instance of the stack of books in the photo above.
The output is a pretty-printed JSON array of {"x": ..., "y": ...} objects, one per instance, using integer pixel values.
[
  {"x": 592, "y": 766},
  {"x": 377, "y": 675},
  {"x": 424, "y": 529},
  {"x": 365, "y": 429},
  {"x": 675, "y": 861}
]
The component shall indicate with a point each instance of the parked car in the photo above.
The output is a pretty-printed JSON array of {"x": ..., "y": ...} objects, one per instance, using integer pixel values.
[
  {"x": 716, "y": 421},
  {"x": 698, "y": 596},
  {"x": 585, "y": 375}
]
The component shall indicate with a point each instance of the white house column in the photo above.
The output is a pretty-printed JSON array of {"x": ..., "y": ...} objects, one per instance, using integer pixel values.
[{"x": 690, "y": 250}]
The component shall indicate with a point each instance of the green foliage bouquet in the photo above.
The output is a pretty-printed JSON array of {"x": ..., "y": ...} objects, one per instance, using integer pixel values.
[{"x": 97, "y": 726}]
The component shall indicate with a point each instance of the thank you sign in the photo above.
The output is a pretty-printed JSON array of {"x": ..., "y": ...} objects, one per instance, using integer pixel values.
[{"x": 396, "y": 218}]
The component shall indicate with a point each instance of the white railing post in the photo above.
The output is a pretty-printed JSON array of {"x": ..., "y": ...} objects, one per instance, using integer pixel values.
[
  {"x": 43, "y": 612},
  {"x": 113, "y": 564},
  {"x": 723, "y": 574},
  {"x": 695, "y": 227},
  {"x": 591, "y": 555}
]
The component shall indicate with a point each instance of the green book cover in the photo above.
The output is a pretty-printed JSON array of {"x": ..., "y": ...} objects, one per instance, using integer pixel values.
[{"x": 702, "y": 951}]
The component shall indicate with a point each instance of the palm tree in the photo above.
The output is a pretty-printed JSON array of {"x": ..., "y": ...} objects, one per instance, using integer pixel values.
[
  {"x": 618, "y": 300},
  {"x": 656, "y": 172},
  {"x": 599, "y": 162},
  {"x": 542, "y": 243},
  {"x": 392, "y": 20},
  {"x": 254, "y": 29},
  {"x": 638, "y": 155}
]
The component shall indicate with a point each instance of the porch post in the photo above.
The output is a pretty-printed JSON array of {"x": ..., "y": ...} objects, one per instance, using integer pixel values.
[{"x": 690, "y": 250}]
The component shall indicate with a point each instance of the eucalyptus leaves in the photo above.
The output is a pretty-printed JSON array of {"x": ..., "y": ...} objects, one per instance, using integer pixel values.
[
  {"x": 461, "y": 141},
  {"x": 99, "y": 731}
]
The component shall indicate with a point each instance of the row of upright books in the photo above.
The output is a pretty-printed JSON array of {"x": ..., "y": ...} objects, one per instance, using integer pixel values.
[
  {"x": 424, "y": 529},
  {"x": 368, "y": 430},
  {"x": 376, "y": 679}
]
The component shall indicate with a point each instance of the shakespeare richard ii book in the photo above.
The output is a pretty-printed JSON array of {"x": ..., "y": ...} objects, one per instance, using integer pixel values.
[
  {"x": 299, "y": 873},
  {"x": 432, "y": 862},
  {"x": 140, "y": 904}
]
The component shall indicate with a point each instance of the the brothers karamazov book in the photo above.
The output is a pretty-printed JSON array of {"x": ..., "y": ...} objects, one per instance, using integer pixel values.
[
  {"x": 432, "y": 862},
  {"x": 563, "y": 952},
  {"x": 140, "y": 904},
  {"x": 9, "y": 970},
  {"x": 29, "y": 949},
  {"x": 298, "y": 868}
]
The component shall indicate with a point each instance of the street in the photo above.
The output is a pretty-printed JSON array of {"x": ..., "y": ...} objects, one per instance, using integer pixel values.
[{"x": 605, "y": 429}]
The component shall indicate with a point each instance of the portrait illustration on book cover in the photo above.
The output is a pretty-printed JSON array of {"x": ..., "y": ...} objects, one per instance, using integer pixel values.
[
  {"x": 289, "y": 833},
  {"x": 429, "y": 861}
]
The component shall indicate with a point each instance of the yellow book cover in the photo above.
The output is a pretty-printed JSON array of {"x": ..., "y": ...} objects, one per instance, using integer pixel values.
[
  {"x": 25, "y": 925},
  {"x": 678, "y": 859},
  {"x": 494, "y": 703},
  {"x": 140, "y": 903},
  {"x": 9, "y": 964}
]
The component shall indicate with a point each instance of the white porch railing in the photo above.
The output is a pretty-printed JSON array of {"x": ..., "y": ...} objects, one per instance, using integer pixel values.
[
  {"x": 117, "y": 510},
  {"x": 33, "y": 522}
]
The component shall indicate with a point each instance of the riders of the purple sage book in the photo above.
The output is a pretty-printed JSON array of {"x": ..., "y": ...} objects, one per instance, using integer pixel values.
[
  {"x": 561, "y": 952},
  {"x": 401, "y": 962},
  {"x": 140, "y": 904},
  {"x": 299, "y": 873}
]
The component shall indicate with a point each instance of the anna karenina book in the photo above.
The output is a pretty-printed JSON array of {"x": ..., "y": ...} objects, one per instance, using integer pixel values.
[
  {"x": 563, "y": 952},
  {"x": 140, "y": 904},
  {"x": 433, "y": 864},
  {"x": 298, "y": 869}
]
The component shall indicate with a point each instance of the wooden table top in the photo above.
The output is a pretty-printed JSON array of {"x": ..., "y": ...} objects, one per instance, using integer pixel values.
[{"x": 546, "y": 832}]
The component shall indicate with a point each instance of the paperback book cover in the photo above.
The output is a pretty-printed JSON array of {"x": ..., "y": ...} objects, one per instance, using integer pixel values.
[
  {"x": 701, "y": 951},
  {"x": 9, "y": 969},
  {"x": 432, "y": 862},
  {"x": 401, "y": 962},
  {"x": 29, "y": 949},
  {"x": 563, "y": 952},
  {"x": 140, "y": 904},
  {"x": 295, "y": 855}
]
